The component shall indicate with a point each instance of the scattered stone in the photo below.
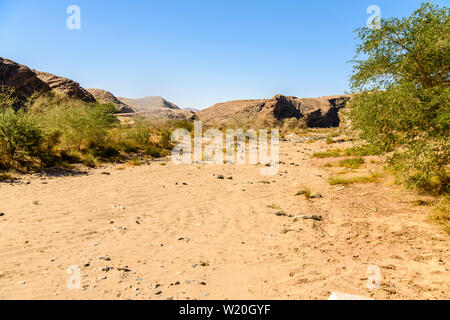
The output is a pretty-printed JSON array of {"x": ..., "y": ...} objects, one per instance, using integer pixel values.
[
  {"x": 21, "y": 282},
  {"x": 308, "y": 216},
  {"x": 107, "y": 269},
  {"x": 158, "y": 292},
  {"x": 230, "y": 178},
  {"x": 124, "y": 269},
  {"x": 2, "y": 214},
  {"x": 185, "y": 184},
  {"x": 106, "y": 258},
  {"x": 220, "y": 177},
  {"x": 203, "y": 283},
  {"x": 291, "y": 230},
  {"x": 169, "y": 298},
  {"x": 316, "y": 196},
  {"x": 281, "y": 214},
  {"x": 106, "y": 173}
]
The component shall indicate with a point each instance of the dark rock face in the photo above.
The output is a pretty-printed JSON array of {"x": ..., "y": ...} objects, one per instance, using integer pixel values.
[
  {"x": 68, "y": 87},
  {"x": 314, "y": 112},
  {"x": 104, "y": 96},
  {"x": 21, "y": 78}
]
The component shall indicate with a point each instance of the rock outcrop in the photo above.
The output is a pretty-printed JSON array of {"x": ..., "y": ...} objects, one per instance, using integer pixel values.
[
  {"x": 103, "y": 96},
  {"x": 24, "y": 81},
  {"x": 313, "y": 112},
  {"x": 66, "y": 86}
]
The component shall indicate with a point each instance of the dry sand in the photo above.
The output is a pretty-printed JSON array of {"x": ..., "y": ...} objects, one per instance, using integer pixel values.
[{"x": 216, "y": 239}]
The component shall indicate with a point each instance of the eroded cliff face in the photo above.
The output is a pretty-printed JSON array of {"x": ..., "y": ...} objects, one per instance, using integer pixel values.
[
  {"x": 21, "y": 78},
  {"x": 66, "y": 86},
  {"x": 313, "y": 112}
]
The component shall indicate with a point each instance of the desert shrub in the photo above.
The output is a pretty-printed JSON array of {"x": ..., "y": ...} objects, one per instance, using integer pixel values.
[
  {"x": 139, "y": 133},
  {"x": 7, "y": 98},
  {"x": 90, "y": 161},
  {"x": 153, "y": 151},
  {"x": 180, "y": 124},
  {"x": 82, "y": 127},
  {"x": 402, "y": 93},
  {"x": 166, "y": 139},
  {"x": 19, "y": 131}
]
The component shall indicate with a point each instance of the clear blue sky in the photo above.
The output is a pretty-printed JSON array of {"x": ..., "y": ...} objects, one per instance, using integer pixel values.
[{"x": 193, "y": 52}]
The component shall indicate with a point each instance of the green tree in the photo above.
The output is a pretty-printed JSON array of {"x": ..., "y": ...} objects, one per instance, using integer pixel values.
[{"x": 401, "y": 94}]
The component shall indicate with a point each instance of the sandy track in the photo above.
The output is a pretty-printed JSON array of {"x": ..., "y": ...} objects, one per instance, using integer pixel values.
[{"x": 216, "y": 239}]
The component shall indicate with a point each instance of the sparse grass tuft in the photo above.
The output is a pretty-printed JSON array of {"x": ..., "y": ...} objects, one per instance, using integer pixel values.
[
  {"x": 305, "y": 191},
  {"x": 353, "y": 163},
  {"x": 273, "y": 206},
  {"x": 420, "y": 203},
  {"x": 335, "y": 153},
  {"x": 441, "y": 213},
  {"x": 134, "y": 162},
  {"x": 352, "y": 180},
  {"x": 7, "y": 176}
]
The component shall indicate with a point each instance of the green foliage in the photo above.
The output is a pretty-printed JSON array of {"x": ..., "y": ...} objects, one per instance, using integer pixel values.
[
  {"x": 52, "y": 129},
  {"x": 153, "y": 151},
  {"x": 415, "y": 49},
  {"x": 180, "y": 124},
  {"x": 441, "y": 213},
  {"x": 19, "y": 131},
  {"x": 402, "y": 93},
  {"x": 140, "y": 132},
  {"x": 7, "y": 98},
  {"x": 166, "y": 139},
  {"x": 83, "y": 127}
]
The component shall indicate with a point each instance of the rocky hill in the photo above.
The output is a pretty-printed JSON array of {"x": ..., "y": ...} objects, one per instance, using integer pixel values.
[
  {"x": 104, "y": 96},
  {"x": 313, "y": 112},
  {"x": 158, "y": 107},
  {"x": 66, "y": 86},
  {"x": 24, "y": 81}
]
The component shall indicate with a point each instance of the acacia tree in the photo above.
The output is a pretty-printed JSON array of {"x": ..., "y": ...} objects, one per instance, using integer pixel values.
[{"x": 401, "y": 86}]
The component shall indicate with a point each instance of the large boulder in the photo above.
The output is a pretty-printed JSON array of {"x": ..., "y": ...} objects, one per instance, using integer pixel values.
[
  {"x": 24, "y": 81},
  {"x": 104, "y": 96},
  {"x": 66, "y": 86}
]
